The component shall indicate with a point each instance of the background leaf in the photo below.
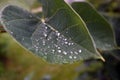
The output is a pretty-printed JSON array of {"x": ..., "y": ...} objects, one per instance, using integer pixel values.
[
  {"x": 115, "y": 22},
  {"x": 99, "y": 28}
]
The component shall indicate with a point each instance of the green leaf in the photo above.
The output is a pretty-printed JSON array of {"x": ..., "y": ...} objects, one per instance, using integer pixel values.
[
  {"x": 62, "y": 38},
  {"x": 99, "y": 28}
]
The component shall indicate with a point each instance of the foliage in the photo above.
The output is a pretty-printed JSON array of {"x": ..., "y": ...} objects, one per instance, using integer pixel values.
[
  {"x": 29, "y": 37},
  {"x": 56, "y": 39},
  {"x": 17, "y": 63}
]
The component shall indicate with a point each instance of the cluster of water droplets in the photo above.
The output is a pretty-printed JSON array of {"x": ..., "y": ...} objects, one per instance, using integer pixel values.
[{"x": 49, "y": 41}]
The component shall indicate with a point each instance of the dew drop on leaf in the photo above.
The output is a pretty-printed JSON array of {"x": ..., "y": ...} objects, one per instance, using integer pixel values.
[
  {"x": 80, "y": 51},
  {"x": 65, "y": 53},
  {"x": 74, "y": 57},
  {"x": 70, "y": 57},
  {"x": 59, "y": 51}
]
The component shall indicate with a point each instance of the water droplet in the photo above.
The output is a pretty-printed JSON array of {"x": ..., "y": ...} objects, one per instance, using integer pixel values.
[
  {"x": 65, "y": 39},
  {"x": 66, "y": 42},
  {"x": 64, "y": 52},
  {"x": 37, "y": 40},
  {"x": 58, "y": 47},
  {"x": 11, "y": 32},
  {"x": 45, "y": 53},
  {"x": 80, "y": 51},
  {"x": 53, "y": 50},
  {"x": 45, "y": 35},
  {"x": 69, "y": 44},
  {"x": 59, "y": 51},
  {"x": 36, "y": 49},
  {"x": 58, "y": 34},
  {"x": 46, "y": 27},
  {"x": 76, "y": 53},
  {"x": 70, "y": 57},
  {"x": 71, "y": 52},
  {"x": 48, "y": 46},
  {"x": 43, "y": 43},
  {"x": 72, "y": 43},
  {"x": 74, "y": 57},
  {"x": 48, "y": 39}
]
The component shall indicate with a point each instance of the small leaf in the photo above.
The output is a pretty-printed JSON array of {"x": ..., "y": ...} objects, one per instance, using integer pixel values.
[
  {"x": 61, "y": 39},
  {"x": 99, "y": 28}
]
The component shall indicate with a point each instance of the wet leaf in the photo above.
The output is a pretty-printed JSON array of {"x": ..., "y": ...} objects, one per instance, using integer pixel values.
[
  {"x": 62, "y": 38},
  {"x": 99, "y": 28}
]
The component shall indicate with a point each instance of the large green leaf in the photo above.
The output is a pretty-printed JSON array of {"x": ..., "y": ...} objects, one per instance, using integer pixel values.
[
  {"x": 99, "y": 28},
  {"x": 62, "y": 38}
]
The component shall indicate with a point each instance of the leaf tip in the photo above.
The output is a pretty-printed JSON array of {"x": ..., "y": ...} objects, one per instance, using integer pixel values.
[{"x": 102, "y": 59}]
